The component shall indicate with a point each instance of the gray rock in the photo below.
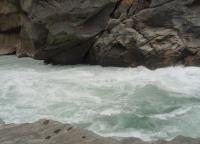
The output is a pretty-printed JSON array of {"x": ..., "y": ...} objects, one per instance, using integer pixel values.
[
  {"x": 164, "y": 34},
  {"x": 128, "y": 33},
  {"x": 52, "y": 132},
  {"x": 57, "y": 31},
  {"x": 9, "y": 27},
  {"x": 49, "y": 132},
  {"x": 70, "y": 27}
]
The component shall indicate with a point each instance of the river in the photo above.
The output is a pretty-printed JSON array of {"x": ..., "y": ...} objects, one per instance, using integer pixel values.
[{"x": 121, "y": 102}]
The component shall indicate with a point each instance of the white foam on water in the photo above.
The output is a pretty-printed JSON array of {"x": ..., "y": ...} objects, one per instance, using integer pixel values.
[
  {"x": 175, "y": 113},
  {"x": 110, "y": 101}
]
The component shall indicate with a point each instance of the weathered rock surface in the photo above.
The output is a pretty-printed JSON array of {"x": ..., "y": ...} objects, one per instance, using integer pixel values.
[
  {"x": 9, "y": 43},
  {"x": 58, "y": 31},
  {"x": 153, "y": 33},
  {"x": 162, "y": 34},
  {"x": 65, "y": 29},
  {"x": 9, "y": 27},
  {"x": 51, "y": 132}
]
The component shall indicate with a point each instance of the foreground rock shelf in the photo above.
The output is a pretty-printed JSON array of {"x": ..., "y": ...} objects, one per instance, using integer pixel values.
[{"x": 52, "y": 132}]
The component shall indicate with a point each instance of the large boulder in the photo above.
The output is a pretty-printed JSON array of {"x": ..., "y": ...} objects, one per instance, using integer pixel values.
[
  {"x": 57, "y": 31},
  {"x": 63, "y": 30},
  {"x": 162, "y": 34}
]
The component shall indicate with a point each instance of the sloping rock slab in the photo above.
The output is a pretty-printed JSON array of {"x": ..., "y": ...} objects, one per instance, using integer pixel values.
[{"x": 51, "y": 132}]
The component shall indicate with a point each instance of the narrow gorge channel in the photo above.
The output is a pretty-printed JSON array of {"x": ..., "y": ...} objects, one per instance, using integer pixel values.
[{"x": 118, "y": 102}]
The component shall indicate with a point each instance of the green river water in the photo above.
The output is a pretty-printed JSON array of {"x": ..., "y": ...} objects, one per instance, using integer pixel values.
[{"x": 121, "y": 102}]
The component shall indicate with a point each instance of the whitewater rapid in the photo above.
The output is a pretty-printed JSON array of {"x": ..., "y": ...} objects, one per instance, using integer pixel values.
[{"x": 110, "y": 101}]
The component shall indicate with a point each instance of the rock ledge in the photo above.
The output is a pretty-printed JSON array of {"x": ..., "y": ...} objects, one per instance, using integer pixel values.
[{"x": 52, "y": 132}]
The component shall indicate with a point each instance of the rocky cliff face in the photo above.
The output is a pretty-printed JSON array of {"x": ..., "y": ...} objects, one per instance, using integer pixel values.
[
  {"x": 153, "y": 33},
  {"x": 162, "y": 33},
  {"x": 51, "y": 132},
  {"x": 9, "y": 27}
]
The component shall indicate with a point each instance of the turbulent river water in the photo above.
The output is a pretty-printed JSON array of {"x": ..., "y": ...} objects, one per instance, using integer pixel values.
[{"x": 110, "y": 101}]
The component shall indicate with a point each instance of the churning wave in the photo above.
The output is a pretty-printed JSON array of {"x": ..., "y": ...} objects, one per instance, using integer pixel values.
[{"x": 121, "y": 102}]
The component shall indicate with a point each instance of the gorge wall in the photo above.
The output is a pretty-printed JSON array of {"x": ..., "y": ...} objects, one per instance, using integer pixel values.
[{"x": 128, "y": 33}]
